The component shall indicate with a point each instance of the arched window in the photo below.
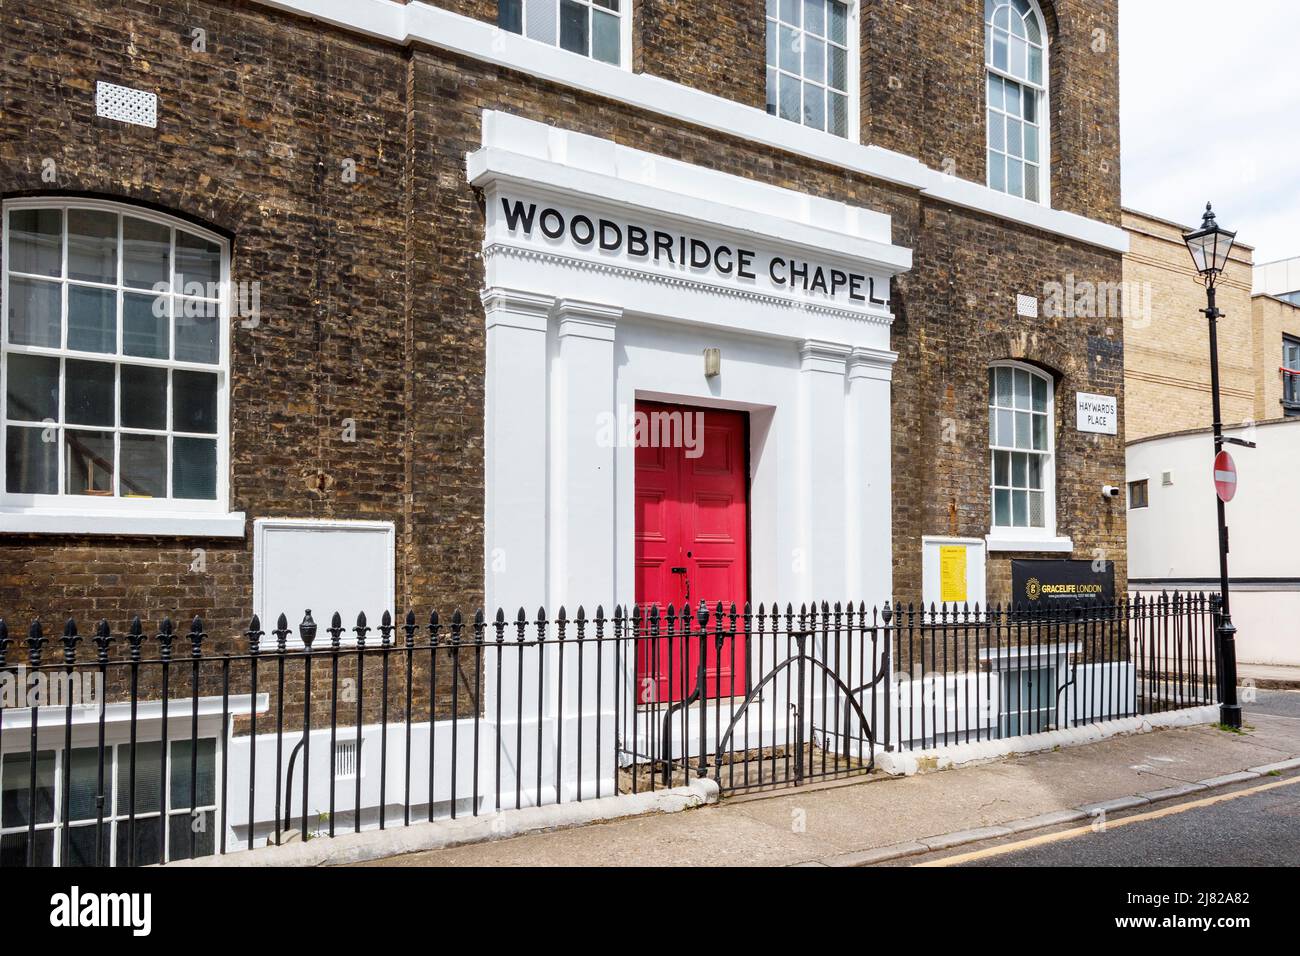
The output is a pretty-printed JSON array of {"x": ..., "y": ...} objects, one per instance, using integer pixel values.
[
  {"x": 1021, "y": 431},
  {"x": 1015, "y": 53},
  {"x": 115, "y": 363}
]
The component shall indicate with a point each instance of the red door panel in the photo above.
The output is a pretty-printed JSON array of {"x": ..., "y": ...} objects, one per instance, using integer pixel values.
[{"x": 692, "y": 526}]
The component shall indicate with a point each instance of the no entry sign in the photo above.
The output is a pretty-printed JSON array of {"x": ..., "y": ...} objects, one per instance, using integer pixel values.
[{"x": 1225, "y": 476}]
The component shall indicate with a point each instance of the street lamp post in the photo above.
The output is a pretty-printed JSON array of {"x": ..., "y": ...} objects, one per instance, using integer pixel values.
[{"x": 1210, "y": 246}]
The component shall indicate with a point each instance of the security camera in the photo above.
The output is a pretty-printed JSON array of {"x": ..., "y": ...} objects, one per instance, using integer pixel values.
[{"x": 1109, "y": 491}]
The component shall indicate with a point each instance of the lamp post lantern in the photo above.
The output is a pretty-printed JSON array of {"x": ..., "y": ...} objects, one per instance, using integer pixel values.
[{"x": 1210, "y": 246}]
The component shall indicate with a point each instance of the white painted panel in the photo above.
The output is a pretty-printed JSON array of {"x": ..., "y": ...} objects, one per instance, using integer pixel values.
[{"x": 324, "y": 566}]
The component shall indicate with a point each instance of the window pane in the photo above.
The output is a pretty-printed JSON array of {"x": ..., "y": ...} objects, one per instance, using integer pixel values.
[
  {"x": 1037, "y": 511},
  {"x": 540, "y": 20},
  {"x": 814, "y": 16},
  {"x": 1040, "y": 432},
  {"x": 1015, "y": 146},
  {"x": 84, "y": 767},
  {"x": 1012, "y": 97},
  {"x": 92, "y": 319},
  {"x": 604, "y": 37},
  {"x": 1031, "y": 183},
  {"x": 16, "y": 795},
  {"x": 814, "y": 59},
  {"x": 146, "y": 325},
  {"x": 205, "y": 765},
  {"x": 1021, "y": 379},
  {"x": 198, "y": 331},
  {"x": 838, "y": 77},
  {"x": 1006, "y": 434},
  {"x": 1036, "y": 472},
  {"x": 31, "y": 461},
  {"x": 790, "y": 11},
  {"x": 34, "y": 311},
  {"x": 1030, "y": 150},
  {"x": 997, "y": 131},
  {"x": 771, "y": 44},
  {"x": 144, "y": 466},
  {"x": 789, "y": 51},
  {"x": 36, "y": 241},
  {"x": 999, "y": 49},
  {"x": 771, "y": 91},
  {"x": 510, "y": 15},
  {"x": 837, "y": 107},
  {"x": 814, "y": 106},
  {"x": 194, "y": 402},
  {"x": 194, "y": 468},
  {"x": 1031, "y": 106},
  {"x": 147, "y": 837},
  {"x": 33, "y": 386},
  {"x": 1002, "y": 468},
  {"x": 995, "y": 92},
  {"x": 1019, "y": 471},
  {"x": 92, "y": 245},
  {"x": 1020, "y": 509},
  {"x": 790, "y": 90},
  {"x": 88, "y": 393},
  {"x": 839, "y": 22},
  {"x": 146, "y": 253},
  {"x": 197, "y": 260},
  {"x": 1003, "y": 393},
  {"x": 1023, "y": 428},
  {"x": 89, "y": 463},
  {"x": 608, "y": 4},
  {"x": 13, "y": 849},
  {"x": 997, "y": 171},
  {"x": 1002, "y": 508},
  {"x": 573, "y": 26},
  {"x": 148, "y": 773},
  {"x": 1036, "y": 64},
  {"x": 182, "y": 826},
  {"x": 1015, "y": 177},
  {"x": 81, "y": 845},
  {"x": 144, "y": 397}
]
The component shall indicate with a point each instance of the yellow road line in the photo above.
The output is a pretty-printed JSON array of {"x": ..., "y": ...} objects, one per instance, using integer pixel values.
[{"x": 1048, "y": 838}]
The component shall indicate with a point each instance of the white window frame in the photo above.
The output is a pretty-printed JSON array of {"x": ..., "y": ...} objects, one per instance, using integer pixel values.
[
  {"x": 85, "y": 514},
  {"x": 1044, "y": 105},
  {"x": 1006, "y": 538},
  {"x": 854, "y": 92},
  {"x": 624, "y": 15}
]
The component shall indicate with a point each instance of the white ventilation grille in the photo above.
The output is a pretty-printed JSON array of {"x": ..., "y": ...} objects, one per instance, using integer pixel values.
[
  {"x": 126, "y": 105},
  {"x": 1027, "y": 306},
  {"x": 345, "y": 759},
  {"x": 1167, "y": 478}
]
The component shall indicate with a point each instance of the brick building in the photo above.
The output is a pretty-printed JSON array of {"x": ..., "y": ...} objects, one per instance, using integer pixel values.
[{"x": 421, "y": 264}]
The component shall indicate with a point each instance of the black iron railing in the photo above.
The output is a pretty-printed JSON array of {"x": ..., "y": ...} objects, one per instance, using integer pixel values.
[{"x": 309, "y": 731}]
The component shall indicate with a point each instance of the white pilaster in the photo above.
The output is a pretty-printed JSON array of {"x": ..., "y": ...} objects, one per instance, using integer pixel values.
[
  {"x": 868, "y": 475},
  {"x": 584, "y": 443},
  {"x": 515, "y": 450},
  {"x": 822, "y": 367}
]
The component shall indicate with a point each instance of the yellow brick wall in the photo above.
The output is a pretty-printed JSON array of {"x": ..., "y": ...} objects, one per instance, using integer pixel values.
[
  {"x": 1272, "y": 318},
  {"x": 1166, "y": 340}
]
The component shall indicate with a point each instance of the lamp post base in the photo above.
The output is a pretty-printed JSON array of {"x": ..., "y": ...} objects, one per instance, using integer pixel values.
[{"x": 1230, "y": 715}]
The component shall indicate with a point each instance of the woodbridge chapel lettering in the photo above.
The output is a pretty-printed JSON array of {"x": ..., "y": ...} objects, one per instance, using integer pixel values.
[{"x": 659, "y": 247}]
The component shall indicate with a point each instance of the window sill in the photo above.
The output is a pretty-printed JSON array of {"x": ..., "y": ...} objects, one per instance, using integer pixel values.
[
  {"x": 1044, "y": 543},
  {"x": 158, "y": 524}
]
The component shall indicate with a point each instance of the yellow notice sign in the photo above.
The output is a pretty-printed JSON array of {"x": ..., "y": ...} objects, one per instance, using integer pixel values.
[{"x": 952, "y": 573}]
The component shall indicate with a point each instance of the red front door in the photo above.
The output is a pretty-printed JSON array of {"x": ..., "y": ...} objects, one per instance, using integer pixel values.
[{"x": 692, "y": 541}]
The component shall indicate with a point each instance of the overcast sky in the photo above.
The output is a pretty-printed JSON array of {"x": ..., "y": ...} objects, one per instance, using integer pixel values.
[{"x": 1210, "y": 110}]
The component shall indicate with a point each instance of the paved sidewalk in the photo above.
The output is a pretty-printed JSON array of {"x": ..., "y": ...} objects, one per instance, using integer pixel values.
[{"x": 838, "y": 825}]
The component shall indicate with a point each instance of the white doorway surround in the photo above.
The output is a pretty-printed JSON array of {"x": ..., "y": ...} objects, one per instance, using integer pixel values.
[{"x": 609, "y": 271}]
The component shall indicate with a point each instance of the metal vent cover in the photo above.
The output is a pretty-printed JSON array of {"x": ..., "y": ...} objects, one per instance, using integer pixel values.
[
  {"x": 121, "y": 103},
  {"x": 345, "y": 759},
  {"x": 1027, "y": 306}
]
